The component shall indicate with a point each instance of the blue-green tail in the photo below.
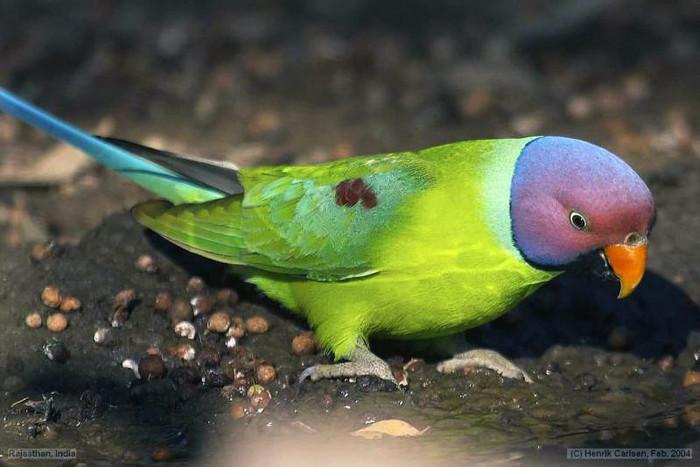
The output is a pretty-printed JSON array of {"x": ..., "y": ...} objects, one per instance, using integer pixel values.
[{"x": 178, "y": 185}]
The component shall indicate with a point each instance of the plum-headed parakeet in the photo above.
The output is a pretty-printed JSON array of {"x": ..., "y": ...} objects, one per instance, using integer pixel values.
[{"x": 407, "y": 245}]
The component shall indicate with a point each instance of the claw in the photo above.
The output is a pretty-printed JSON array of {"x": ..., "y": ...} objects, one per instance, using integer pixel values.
[{"x": 310, "y": 372}]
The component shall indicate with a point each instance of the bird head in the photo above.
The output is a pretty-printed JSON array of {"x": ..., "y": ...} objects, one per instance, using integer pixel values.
[{"x": 570, "y": 198}]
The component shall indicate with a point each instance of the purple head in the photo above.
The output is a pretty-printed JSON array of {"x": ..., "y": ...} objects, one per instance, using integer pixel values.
[{"x": 570, "y": 197}]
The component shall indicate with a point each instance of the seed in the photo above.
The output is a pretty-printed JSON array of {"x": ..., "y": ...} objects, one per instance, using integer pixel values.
[
  {"x": 101, "y": 335},
  {"x": 40, "y": 251},
  {"x": 121, "y": 308},
  {"x": 209, "y": 357},
  {"x": 202, "y": 305},
  {"x": 240, "y": 409},
  {"x": 163, "y": 301},
  {"x": 665, "y": 363},
  {"x": 124, "y": 299},
  {"x": 259, "y": 397},
  {"x": 182, "y": 350},
  {"x": 265, "y": 373},
  {"x": 33, "y": 320},
  {"x": 256, "y": 325},
  {"x": 161, "y": 453},
  {"x": 57, "y": 322},
  {"x": 132, "y": 365},
  {"x": 185, "y": 329},
  {"x": 218, "y": 322},
  {"x": 304, "y": 343},
  {"x": 145, "y": 263},
  {"x": 51, "y": 296},
  {"x": 195, "y": 284},
  {"x": 151, "y": 367},
  {"x": 691, "y": 378},
  {"x": 69, "y": 304},
  {"x": 226, "y": 297},
  {"x": 181, "y": 311},
  {"x": 236, "y": 328},
  {"x": 328, "y": 401}
]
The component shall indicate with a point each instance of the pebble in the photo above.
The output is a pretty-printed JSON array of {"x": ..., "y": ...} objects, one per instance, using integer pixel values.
[
  {"x": 33, "y": 320},
  {"x": 257, "y": 325},
  {"x": 218, "y": 322},
  {"x": 163, "y": 301},
  {"x": 181, "y": 311},
  {"x": 145, "y": 263},
  {"x": 56, "y": 351},
  {"x": 70, "y": 304},
  {"x": 265, "y": 373},
  {"x": 304, "y": 343},
  {"x": 214, "y": 377},
  {"x": 51, "y": 296},
  {"x": 585, "y": 381},
  {"x": 151, "y": 367},
  {"x": 57, "y": 322},
  {"x": 185, "y": 329}
]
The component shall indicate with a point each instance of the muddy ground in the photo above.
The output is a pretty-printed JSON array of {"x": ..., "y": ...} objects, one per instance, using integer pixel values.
[{"x": 301, "y": 82}]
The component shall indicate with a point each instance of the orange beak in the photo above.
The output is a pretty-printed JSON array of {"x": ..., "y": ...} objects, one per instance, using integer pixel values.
[{"x": 627, "y": 263}]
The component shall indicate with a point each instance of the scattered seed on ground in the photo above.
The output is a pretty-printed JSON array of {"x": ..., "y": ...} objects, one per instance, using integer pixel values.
[
  {"x": 256, "y": 325},
  {"x": 51, "y": 296}
]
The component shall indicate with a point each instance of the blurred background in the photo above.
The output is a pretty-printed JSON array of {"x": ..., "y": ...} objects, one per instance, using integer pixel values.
[{"x": 302, "y": 81}]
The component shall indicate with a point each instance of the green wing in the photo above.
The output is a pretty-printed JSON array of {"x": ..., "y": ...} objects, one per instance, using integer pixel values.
[{"x": 318, "y": 222}]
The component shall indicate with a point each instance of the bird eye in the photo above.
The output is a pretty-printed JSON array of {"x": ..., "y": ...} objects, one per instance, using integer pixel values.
[{"x": 578, "y": 220}]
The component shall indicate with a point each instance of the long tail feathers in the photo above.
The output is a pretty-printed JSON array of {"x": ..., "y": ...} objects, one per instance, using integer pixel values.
[{"x": 177, "y": 178}]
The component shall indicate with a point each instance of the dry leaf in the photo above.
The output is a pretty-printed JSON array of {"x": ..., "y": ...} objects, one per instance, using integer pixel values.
[{"x": 389, "y": 427}]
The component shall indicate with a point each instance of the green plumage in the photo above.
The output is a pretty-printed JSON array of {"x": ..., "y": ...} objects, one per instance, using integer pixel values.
[{"x": 432, "y": 256}]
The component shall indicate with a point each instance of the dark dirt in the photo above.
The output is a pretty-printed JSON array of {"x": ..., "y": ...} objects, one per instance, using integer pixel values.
[{"x": 304, "y": 81}]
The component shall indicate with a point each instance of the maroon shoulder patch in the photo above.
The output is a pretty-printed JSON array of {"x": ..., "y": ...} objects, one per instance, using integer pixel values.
[{"x": 350, "y": 192}]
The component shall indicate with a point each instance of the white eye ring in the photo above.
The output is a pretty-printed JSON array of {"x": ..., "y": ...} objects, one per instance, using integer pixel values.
[{"x": 578, "y": 220}]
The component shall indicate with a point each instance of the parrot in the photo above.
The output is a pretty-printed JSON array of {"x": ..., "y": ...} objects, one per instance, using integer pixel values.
[{"x": 407, "y": 245}]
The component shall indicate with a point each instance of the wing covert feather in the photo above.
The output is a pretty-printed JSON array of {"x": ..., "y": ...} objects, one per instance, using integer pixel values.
[{"x": 316, "y": 222}]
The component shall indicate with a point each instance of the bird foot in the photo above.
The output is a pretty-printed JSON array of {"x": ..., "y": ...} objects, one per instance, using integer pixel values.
[
  {"x": 362, "y": 363},
  {"x": 484, "y": 358}
]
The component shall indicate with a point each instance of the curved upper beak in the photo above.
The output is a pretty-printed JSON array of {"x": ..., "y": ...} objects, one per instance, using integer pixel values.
[{"x": 627, "y": 262}]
